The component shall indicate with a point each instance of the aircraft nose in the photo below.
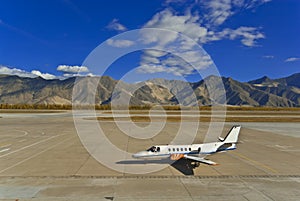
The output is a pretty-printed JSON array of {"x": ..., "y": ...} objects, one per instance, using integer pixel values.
[{"x": 139, "y": 154}]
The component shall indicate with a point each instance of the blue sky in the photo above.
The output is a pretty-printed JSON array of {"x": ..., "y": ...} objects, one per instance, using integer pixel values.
[{"x": 246, "y": 39}]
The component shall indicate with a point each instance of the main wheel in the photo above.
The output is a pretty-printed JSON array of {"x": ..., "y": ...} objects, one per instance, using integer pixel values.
[{"x": 196, "y": 164}]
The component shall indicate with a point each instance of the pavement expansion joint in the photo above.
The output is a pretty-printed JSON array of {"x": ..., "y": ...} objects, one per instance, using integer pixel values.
[{"x": 151, "y": 177}]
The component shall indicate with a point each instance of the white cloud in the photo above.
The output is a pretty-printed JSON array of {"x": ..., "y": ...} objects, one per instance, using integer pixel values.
[
  {"x": 116, "y": 25},
  {"x": 72, "y": 69},
  {"x": 215, "y": 12},
  {"x": 186, "y": 24},
  {"x": 68, "y": 75},
  {"x": 155, "y": 53},
  {"x": 152, "y": 36},
  {"x": 23, "y": 73},
  {"x": 120, "y": 43},
  {"x": 15, "y": 71},
  {"x": 248, "y": 35},
  {"x": 149, "y": 59},
  {"x": 268, "y": 57},
  {"x": 174, "y": 1},
  {"x": 189, "y": 61},
  {"x": 190, "y": 26},
  {"x": 254, "y": 3},
  {"x": 202, "y": 27},
  {"x": 291, "y": 59},
  {"x": 150, "y": 68},
  {"x": 185, "y": 63},
  {"x": 46, "y": 76},
  {"x": 218, "y": 11}
]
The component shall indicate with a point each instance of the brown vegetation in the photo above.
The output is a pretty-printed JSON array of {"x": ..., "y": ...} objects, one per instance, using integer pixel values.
[
  {"x": 201, "y": 119},
  {"x": 141, "y": 107}
]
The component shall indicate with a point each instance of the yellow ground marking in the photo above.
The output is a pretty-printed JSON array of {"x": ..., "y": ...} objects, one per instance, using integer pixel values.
[{"x": 255, "y": 162}]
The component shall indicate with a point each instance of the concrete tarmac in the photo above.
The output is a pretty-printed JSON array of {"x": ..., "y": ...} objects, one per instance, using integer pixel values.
[{"x": 42, "y": 158}]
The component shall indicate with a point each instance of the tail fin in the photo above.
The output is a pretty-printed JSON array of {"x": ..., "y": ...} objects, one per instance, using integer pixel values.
[{"x": 232, "y": 136}]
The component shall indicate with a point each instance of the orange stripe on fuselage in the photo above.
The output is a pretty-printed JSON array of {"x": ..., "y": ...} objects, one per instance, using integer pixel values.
[{"x": 176, "y": 157}]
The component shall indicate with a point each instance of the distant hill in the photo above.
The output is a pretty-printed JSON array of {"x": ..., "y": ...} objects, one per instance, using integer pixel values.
[
  {"x": 283, "y": 92},
  {"x": 287, "y": 88}
]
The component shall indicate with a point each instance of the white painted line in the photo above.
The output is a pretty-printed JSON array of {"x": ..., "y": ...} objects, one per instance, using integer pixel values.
[
  {"x": 26, "y": 159},
  {"x": 4, "y": 150},
  {"x": 25, "y": 133},
  {"x": 30, "y": 145},
  {"x": 283, "y": 146}
]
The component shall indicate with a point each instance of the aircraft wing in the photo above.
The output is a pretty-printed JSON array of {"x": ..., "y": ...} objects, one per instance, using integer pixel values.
[{"x": 201, "y": 160}]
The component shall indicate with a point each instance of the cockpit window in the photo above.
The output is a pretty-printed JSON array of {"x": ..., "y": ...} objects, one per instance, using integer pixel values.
[{"x": 152, "y": 149}]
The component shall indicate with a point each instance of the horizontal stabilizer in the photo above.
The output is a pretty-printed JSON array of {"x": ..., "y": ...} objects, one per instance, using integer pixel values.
[{"x": 201, "y": 160}]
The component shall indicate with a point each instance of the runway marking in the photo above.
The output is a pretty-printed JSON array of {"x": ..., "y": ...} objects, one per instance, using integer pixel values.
[
  {"x": 25, "y": 133},
  {"x": 282, "y": 146},
  {"x": 26, "y": 159},
  {"x": 30, "y": 145},
  {"x": 3, "y": 150},
  {"x": 255, "y": 162}
]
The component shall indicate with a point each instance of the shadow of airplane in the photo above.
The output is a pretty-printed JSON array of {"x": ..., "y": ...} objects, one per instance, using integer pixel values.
[{"x": 182, "y": 165}]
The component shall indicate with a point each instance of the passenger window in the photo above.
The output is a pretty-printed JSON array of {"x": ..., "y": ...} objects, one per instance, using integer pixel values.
[
  {"x": 177, "y": 149},
  {"x": 181, "y": 149},
  {"x": 190, "y": 149},
  {"x": 185, "y": 149},
  {"x": 173, "y": 149},
  {"x": 169, "y": 149},
  {"x": 158, "y": 149}
]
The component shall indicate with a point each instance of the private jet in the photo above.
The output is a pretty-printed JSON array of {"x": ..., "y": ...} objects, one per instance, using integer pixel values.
[{"x": 194, "y": 153}]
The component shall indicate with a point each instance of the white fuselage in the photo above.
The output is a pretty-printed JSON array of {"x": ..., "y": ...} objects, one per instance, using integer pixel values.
[{"x": 164, "y": 151}]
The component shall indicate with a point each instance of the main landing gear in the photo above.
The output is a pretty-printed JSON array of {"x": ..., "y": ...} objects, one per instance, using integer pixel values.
[{"x": 195, "y": 164}]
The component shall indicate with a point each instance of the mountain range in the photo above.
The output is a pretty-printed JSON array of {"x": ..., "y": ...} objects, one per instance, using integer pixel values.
[{"x": 282, "y": 92}]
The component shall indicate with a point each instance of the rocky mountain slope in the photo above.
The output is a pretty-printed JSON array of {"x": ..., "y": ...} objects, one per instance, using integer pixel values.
[{"x": 283, "y": 92}]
